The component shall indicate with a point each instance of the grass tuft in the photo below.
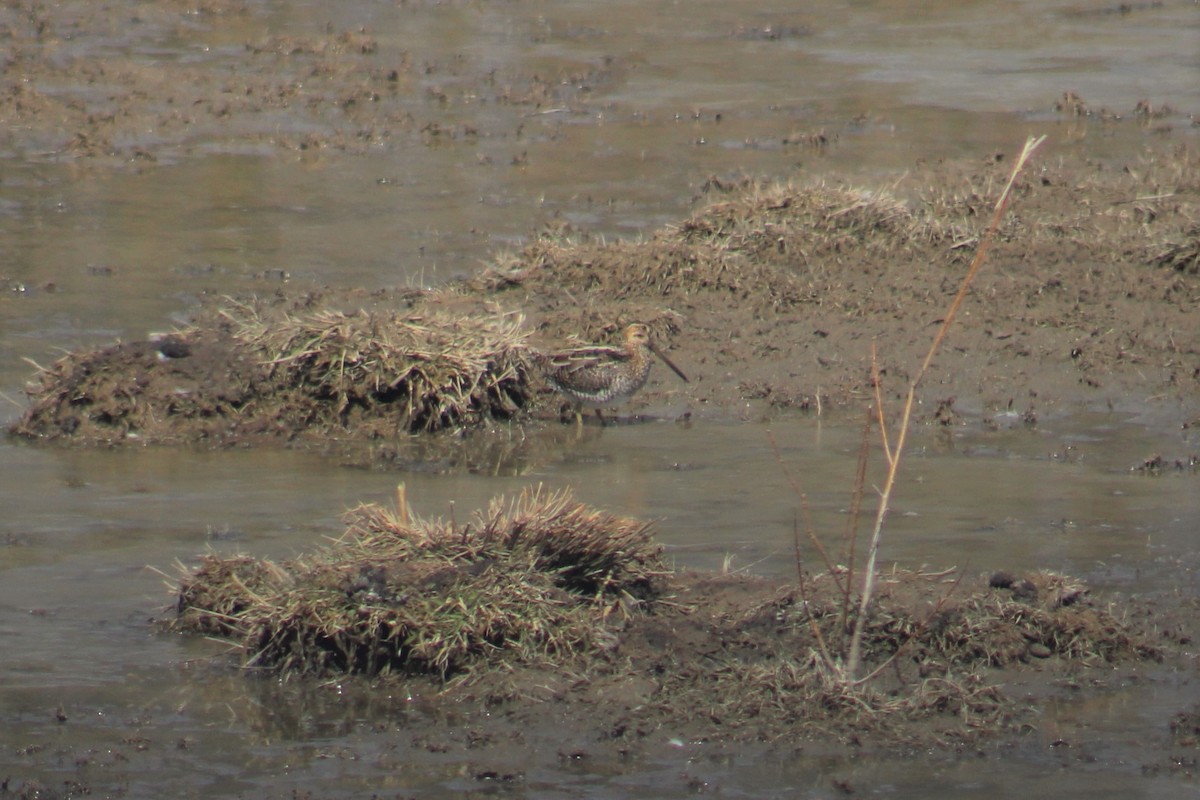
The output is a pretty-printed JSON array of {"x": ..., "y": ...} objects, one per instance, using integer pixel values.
[
  {"x": 434, "y": 372},
  {"x": 529, "y": 578}
]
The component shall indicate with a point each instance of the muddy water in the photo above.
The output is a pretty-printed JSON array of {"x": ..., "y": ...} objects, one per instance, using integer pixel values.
[{"x": 674, "y": 94}]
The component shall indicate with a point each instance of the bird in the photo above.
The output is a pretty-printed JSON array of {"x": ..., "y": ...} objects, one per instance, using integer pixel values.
[{"x": 599, "y": 376}]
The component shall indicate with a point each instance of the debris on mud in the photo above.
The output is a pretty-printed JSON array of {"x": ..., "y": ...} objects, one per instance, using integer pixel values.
[
  {"x": 543, "y": 594},
  {"x": 1185, "y": 728},
  {"x": 1182, "y": 255}
]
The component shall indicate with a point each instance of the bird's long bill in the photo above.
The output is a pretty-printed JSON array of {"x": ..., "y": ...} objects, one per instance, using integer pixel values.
[{"x": 669, "y": 363}]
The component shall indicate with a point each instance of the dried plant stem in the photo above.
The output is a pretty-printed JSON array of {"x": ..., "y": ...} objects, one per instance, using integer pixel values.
[
  {"x": 895, "y": 452},
  {"x": 850, "y": 537},
  {"x": 402, "y": 504},
  {"x": 830, "y": 567}
]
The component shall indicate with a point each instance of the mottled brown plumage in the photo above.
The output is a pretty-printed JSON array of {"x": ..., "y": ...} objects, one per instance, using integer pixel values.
[{"x": 597, "y": 376}]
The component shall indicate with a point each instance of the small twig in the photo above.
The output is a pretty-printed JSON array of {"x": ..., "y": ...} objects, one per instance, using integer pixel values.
[
  {"x": 34, "y": 364},
  {"x": 887, "y": 662},
  {"x": 783, "y": 467},
  {"x": 9, "y": 399},
  {"x": 1144, "y": 198},
  {"x": 402, "y": 504},
  {"x": 815, "y": 627},
  {"x": 830, "y": 567},
  {"x": 796, "y": 549},
  {"x": 851, "y": 534},
  {"x": 877, "y": 381},
  {"x": 812, "y": 535}
]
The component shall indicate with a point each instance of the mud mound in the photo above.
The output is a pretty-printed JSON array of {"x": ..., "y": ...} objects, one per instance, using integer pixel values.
[
  {"x": 543, "y": 594},
  {"x": 749, "y": 659},
  {"x": 259, "y": 372},
  {"x": 751, "y": 249},
  {"x": 192, "y": 387},
  {"x": 774, "y": 291},
  {"x": 658, "y": 268},
  {"x": 792, "y": 222}
]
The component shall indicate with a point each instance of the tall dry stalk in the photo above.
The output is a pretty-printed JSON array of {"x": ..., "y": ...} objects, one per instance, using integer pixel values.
[{"x": 893, "y": 452}]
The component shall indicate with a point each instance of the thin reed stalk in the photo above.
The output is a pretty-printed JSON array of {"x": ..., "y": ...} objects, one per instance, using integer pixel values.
[{"x": 894, "y": 452}]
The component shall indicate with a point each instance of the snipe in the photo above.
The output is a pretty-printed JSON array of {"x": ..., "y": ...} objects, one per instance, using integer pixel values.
[{"x": 597, "y": 376}]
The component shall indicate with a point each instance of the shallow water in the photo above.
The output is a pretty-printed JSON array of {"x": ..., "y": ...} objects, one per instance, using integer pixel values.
[{"x": 693, "y": 90}]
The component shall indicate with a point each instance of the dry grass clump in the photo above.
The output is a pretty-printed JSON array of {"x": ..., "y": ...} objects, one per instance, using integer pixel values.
[
  {"x": 750, "y": 247},
  {"x": 926, "y": 654},
  {"x": 526, "y": 579},
  {"x": 659, "y": 267},
  {"x": 770, "y": 220},
  {"x": 589, "y": 552},
  {"x": 1041, "y": 616},
  {"x": 1181, "y": 256},
  {"x": 220, "y": 590},
  {"x": 434, "y": 371}
]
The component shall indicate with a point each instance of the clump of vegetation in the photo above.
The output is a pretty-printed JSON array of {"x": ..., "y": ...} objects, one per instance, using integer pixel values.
[
  {"x": 433, "y": 371},
  {"x": 527, "y": 579},
  {"x": 220, "y": 590},
  {"x": 772, "y": 220}
]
